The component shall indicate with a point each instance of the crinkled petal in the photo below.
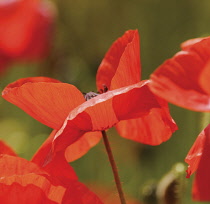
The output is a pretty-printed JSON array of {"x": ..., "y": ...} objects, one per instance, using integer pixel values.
[
  {"x": 105, "y": 111},
  {"x": 198, "y": 159},
  {"x": 11, "y": 165},
  {"x": 153, "y": 128},
  {"x": 177, "y": 79},
  {"x": 121, "y": 64},
  {"x": 82, "y": 145},
  {"x": 29, "y": 188},
  {"x": 78, "y": 193},
  {"x": 5, "y": 149},
  {"x": 45, "y": 99}
]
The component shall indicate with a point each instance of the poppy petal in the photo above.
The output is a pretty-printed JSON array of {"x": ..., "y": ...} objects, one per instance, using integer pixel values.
[
  {"x": 177, "y": 79},
  {"x": 58, "y": 167},
  {"x": 5, "y": 149},
  {"x": 105, "y": 111},
  {"x": 80, "y": 194},
  {"x": 141, "y": 130},
  {"x": 82, "y": 145},
  {"x": 198, "y": 159},
  {"x": 189, "y": 43},
  {"x": 204, "y": 78},
  {"x": 45, "y": 99},
  {"x": 73, "y": 151},
  {"x": 121, "y": 64},
  {"x": 29, "y": 188},
  {"x": 24, "y": 182},
  {"x": 18, "y": 166}
]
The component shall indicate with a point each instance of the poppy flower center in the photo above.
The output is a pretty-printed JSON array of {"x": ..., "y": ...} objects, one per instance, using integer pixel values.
[{"x": 92, "y": 94}]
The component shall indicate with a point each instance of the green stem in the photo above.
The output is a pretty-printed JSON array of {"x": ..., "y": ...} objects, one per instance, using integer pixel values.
[{"x": 114, "y": 167}]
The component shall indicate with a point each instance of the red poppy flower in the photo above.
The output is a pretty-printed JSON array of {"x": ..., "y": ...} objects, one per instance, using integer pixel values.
[
  {"x": 183, "y": 79},
  {"x": 25, "y": 29},
  {"x": 25, "y": 182},
  {"x": 139, "y": 115},
  {"x": 198, "y": 159}
]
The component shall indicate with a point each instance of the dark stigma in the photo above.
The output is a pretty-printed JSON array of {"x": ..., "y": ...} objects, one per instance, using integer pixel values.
[{"x": 90, "y": 95}]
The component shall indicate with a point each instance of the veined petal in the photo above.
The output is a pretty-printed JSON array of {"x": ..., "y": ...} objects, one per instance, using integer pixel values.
[
  {"x": 105, "y": 111},
  {"x": 121, "y": 64},
  {"x": 73, "y": 151},
  {"x": 177, "y": 79},
  {"x": 45, "y": 99},
  {"x": 198, "y": 159},
  {"x": 82, "y": 145},
  {"x": 153, "y": 128},
  {"x": 5, "y": 149}
]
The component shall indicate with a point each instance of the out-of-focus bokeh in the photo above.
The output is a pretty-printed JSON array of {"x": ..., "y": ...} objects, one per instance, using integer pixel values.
[{"x": 84, "y": 31}]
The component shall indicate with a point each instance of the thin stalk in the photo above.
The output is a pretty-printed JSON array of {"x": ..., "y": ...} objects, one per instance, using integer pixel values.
[{"x": 114, "y": 168}]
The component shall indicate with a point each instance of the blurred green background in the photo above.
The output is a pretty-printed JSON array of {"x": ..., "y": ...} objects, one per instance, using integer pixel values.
[{"x": 85, "y": 30}]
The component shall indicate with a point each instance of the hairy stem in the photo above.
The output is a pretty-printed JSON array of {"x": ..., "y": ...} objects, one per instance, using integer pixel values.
[{"x": 114, "y": 168}]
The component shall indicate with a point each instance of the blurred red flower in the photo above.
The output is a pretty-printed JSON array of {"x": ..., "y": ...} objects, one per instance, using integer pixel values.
[
  {"x": 184, "y": 79},
  {"x": 26, "y": 28},
  {"x": 25, "y": 182},
  {"x": 129, "y": 104},
  {"x": 198, "y": 159}
]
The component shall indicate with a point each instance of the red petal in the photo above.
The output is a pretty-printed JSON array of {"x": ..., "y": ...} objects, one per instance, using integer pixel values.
[
  {"x": 77, "y": 193},
  {"x": 198, "y": 159},
  {"x": 11, "y": 165},
  {"x": 105, "y": 111},
  {"x": 44, "y": 99},
  {"x": 177, "y": 80},
  {"x": 24, "y": 182},
  {"x": 82, "y": 145},
  {"x": 24, "y": 18},
  {"x": 73, "y": 151},
  {"x": 152, "y": 129},
  {"x": 189, "y": 43},
  {"x": 29, "y": 188},
  {"x": 204, "y": 78},
  {"x": 58, "y": 166},
  {"x": 121, "y": 64},
  {"x": 5, "y": 149}
]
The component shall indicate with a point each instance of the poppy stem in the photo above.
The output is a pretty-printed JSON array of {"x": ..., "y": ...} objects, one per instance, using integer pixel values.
[{"x": 114, "y": 167}]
